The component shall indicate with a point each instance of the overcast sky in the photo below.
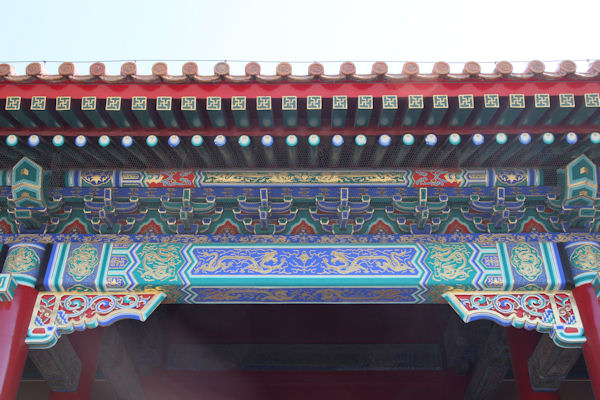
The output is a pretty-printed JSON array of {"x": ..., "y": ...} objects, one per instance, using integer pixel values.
[{"x": 278, "y": 30}]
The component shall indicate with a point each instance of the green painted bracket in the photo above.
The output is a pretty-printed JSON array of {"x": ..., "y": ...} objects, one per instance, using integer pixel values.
[
  {"x": 413, "y": 111},
  {"x": 164, "y": 107},
  {"x": 215, "y": 112},
  {"x": 339, "y": 110},
  {"x": 463, "y": 106},
  {"x": 15, "y": 109},
  {"x": 541, "y": 106},
  {"x": 139, "y": 108},
  {"x": 487, "y": 107},
  {"x": 364, "y": 110},
  {"x": 438, "y": 110},
  {"x": 88, "y": 107},
  {"x": 64, "y": 109},
  {"x": 38, "y": 107},
  {"x": 314, "y": 105},
  {"x": 114, "y": 111},
  {"x": 190, "y": 113},
  {"x": 389, "y": 108},
  {"x": 289, "y": 108},
  {"x": 240, "y": 112},
  {"x": 510, "y": 109},
  {"x": 264, "y": 110}
]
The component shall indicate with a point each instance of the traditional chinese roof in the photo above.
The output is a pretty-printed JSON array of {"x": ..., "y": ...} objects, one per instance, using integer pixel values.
[
  {"x": 348, "y": 120},
  {"x": 67, "y": 72}
]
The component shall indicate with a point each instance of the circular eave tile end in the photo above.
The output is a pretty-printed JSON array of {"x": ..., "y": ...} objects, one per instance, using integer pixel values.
[
  {"x": 221, "y": 69},
  {"x": 5, "y": 70},
  {"x": 410, "y": 68},
  {"x": 190, "y": 69},
  {"x": 504, "y": 68},
  {"x": 347, "y": 69},
  {"x": 34, "y": 69},
  {"x": 595, "y": 67},
  {"x": 67, "y": 69},
  {"x": 160, "y": 69},
  {"x": 316, "y": 69},
  {"x": 97, "y": 69},
  {"x": 567, "y": 67},
  {"x": 252, "y": 69},
  {"x": 128, "y": 69},
  {"x": 472, "y": 68},
  {"x": 536, "y": 67},
  {"x": 441, "y": 68},
  {"x": 379, "y": 68},
  {"x": 284, "y": 69}
]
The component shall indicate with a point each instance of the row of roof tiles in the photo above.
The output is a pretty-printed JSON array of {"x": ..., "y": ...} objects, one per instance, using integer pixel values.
[{"x": 316, "y": 72}]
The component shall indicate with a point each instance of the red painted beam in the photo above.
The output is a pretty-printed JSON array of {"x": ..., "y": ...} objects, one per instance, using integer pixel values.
[
  {"x": 305, "y": 131},
  {"x": 589, "y": 310},
  {"x": 87, "y": 347},
  {"x": 277, "y": 90},
  {"x": 522, "y": 343},
  {"x": 14, "y": 321}
]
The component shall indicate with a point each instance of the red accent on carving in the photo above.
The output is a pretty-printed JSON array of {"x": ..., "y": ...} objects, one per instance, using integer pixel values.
[
  {"x": 5, "y": 227},
  {"x": 174, "y": 179},
  {"x": 533, "y": 226},
  {"x": 151, "y": 227},
  {"x": 14, "y": 321},
  {"x": 522, "y": 343},
  {"x": 426, "y": 178},
  {"x": 227, "y": 229},
  {"x": 381, "y": 227},
  {"x": 456, "y": 227},
  {"x": 75, "y": 227},
  {"x": 589, "y": 311},
  {"x": 303, "y": 228}
]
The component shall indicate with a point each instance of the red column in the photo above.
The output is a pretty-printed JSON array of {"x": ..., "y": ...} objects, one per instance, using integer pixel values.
[
  {"x": 589, "y": 310},
  {"x": 522, "y": 344},
  {"x": 87, "y": 347},
  {"x": 14, "y": 321}
]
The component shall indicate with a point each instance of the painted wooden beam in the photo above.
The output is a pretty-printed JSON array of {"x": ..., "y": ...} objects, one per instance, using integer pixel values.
[{"x": 59, "y": 365}]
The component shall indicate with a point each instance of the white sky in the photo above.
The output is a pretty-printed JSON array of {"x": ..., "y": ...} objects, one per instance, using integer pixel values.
[{"x": 309, "y": 30}]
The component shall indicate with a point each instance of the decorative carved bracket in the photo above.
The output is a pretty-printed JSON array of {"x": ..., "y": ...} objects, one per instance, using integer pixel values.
[
  {"x": 111, "y": 216},
  {"x": 497, "y": 215},
  {"x": 421, "y": 216},
  {"x": 8, "y": 285},
  {"x": 188, "y": 215},
  {"x": 342, "y": 216},
  {"x": 553, "y": 312},
  {"x": 56, "y": 314},
  {"x": 265, "y": 217}
]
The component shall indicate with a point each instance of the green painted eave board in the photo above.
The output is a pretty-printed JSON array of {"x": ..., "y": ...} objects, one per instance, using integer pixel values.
[
  {"x": 557, "y": 115},
  {"x": 265, "y": 118},
  {"x": 71, "y": 118},
  {"x": 217, "y": 119},
  {"x": 313, "y": 118},
  {"x": 435, "y": 117},
  {"x": 168, "y": 118},
  {"x": 119, "y": 118},
  {"x": 411, "y": 117},
  {"x": 386, "y": 117},
  {"x": 362, "y": 118},
  {"x": 95, "y": 117},
  {"x": 22, "y": 118},
  {"x": 290, "y": 118},
  {"x": 47, "y": 118},
  {"x": 192, "y": 117}
]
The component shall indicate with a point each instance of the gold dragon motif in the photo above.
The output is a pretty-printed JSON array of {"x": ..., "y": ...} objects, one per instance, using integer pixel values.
[
  {"x": 267, "y": 264},
  {"x": 396, "y": 262}
]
